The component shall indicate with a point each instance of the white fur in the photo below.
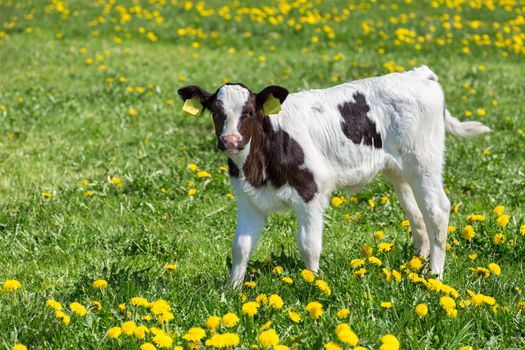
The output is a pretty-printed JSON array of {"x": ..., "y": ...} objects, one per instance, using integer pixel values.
[
  {"x": 233, "y": 98},
  {"x": 408, "y": 110},
  {"x": 464, "y": 129}
]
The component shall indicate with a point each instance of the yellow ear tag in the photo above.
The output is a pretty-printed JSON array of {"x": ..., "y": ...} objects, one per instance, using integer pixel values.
[
  {"x": 193, "y": 106},
  {"x": 272, "y": 105}
]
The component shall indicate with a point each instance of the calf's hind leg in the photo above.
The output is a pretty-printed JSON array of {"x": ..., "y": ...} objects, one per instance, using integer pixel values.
[
  {"x": 409, "y": 205},
  {"x": 435, "y": 208}
]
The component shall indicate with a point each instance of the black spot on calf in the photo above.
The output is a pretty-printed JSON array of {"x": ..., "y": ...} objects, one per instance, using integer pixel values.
[
  {"x": 356, "y": 125},
  {"x": 278, "y": 159}
]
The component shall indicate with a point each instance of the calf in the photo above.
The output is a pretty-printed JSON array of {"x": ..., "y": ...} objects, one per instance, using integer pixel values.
[{"x": 340, "y": 136}]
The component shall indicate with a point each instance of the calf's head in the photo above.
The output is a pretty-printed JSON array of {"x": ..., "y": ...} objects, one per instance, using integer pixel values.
[{"x": 236, "y": 111}]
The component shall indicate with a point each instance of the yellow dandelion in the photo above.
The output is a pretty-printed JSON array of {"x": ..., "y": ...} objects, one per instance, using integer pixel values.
[
  {"x": 308, "y": 276},
  {"x": 194, "y": 334},
  {"x": 337, "y": 201},
  {"x": 268, "y": 338},
  {"x": 386, "y": 304},
  {"x": 213, "y": 322},
  {"x": 346, "y": 335},
  {"x": 294, "y": 316},
  {"x": 387, "y": 274},
  {"x": 332, "y": 346},
  {"x": 452, "y": 313},
  {"x": 475, "y": 218},
  {"x": 54, "y": 304},
  {"x": 224, "y": 340},
  {"x": 117, "y": 181},
  {"x": 277, "y": 270},
  {"x": 447, "y": 303},
  {"x": 355, "y": 263},
  {"x": 114, "y": 332},
  {"x": 498, "y": 238},
  {"x": 47, "y": 195},
  {"x": 384, "y": 247},
  {"x": 389, "y": 342},
  {"x": 315, "y": 309},
  {"x": 397, "y": 275},
  {"x": 359, "y": 273},
  {"x": 375, "y": 261},
  {"x": 139, "y": 301},
  {"x": 415, "y": 264},
  {"x": 378, "y": 235},
  {"x": 287, "y": 280},
  {"x": 19, "y": 347},
  {"x": 250, "y": 308},
  {"x": 63, "y": 317},
  {"x": 323, "y": 287},
  {"x": 250, "y": 284},
  {"x": 165, "y": 317},
  {"x": 495, "y": 268},
  {"x": 230, "y": 320},
  {"x": 163, "y": 340},
  {"x": 275, "y": 301},
  {"x": 343, "y": 313},
  {"x": 11, "y": 285},
  {"x": 262, "y": 299},
  {"x": 192, "y": 167},
  {"x": 128, "y": 327},
  {"x": 480, "y": 272},
  {"x": 421, "y": 310},
  {"x": 170, "y": 267},
  {"x": 265, "y": 326},
  {"x": 281, "y": 347},
  {"x": 502, "y": 220},
  {"x": 160, "y": 306},
  {"x": 498, "y": 210},
  {"x": 78, "y": 309},
  {"x": 203, "y": 174},
  {"x": 148, "y": 346},
  {"x": 100, "y": 284},
  {"x": 96, "y": 305},
  {"x": 468, "y": 232}
]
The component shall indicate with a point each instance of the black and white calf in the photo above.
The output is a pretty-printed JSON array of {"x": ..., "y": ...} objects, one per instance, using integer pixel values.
[{"x": 340, "y": 136}]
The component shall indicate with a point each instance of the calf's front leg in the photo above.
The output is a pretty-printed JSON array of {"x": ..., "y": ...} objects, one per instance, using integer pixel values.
[
  {"x": 310, "y": 232},
  {"x": 250, "y": 222}
]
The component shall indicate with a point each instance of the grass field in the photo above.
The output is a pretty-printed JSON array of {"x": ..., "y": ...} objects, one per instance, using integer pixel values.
[{"x": 96, "y": 181}]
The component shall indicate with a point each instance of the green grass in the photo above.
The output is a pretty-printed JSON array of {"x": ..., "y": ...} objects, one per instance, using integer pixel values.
[{"x": 62, "y": 122}]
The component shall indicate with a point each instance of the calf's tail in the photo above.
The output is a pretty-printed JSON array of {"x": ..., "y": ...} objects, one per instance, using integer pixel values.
[{"x": 464, "y": 129}]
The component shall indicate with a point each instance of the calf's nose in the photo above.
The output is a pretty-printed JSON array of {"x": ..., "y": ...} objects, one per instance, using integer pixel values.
[{"x": 231, "y": 140}]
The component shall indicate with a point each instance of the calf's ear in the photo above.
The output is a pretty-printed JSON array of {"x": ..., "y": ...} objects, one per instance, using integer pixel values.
[
  {"x": 270, "y": 99},
  {"x": 192, "y": 91},
  {"x": 195, "y": 98},
  {"x": 278, "y": 92}
]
